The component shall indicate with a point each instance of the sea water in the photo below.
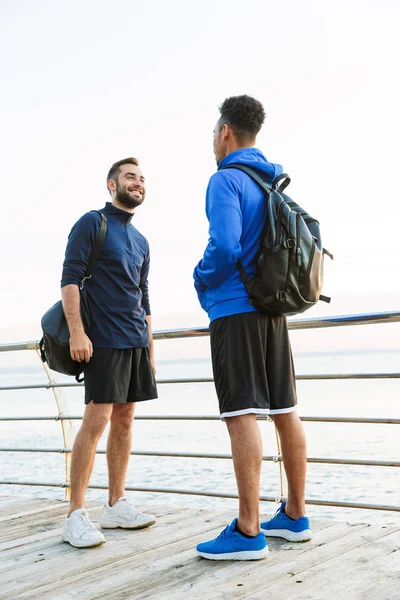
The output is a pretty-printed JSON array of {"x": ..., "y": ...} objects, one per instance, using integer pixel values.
[{"x": 354, "y": 398}]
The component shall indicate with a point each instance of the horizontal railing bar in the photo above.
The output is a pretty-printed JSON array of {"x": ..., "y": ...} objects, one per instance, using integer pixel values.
[
  {"x": 310, "y": 323},
  {"x": 365, "y": 506},
  {"x": 294, "y": 324},
  {"x": 33, "y": 345},
  {"x": 330, "y": 376},
  {"x": 362, "y": 420},
  {"x": 53, "y": 384},
  {"x": 345, "y": 320},
  {"x": 383, "y": 507},
  {"x": 328, "y": 461},
  {"x": 310, "y": 377}
]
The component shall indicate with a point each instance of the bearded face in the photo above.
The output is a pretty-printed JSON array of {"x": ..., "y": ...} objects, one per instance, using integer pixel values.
[{"x": 130, "y": 194}]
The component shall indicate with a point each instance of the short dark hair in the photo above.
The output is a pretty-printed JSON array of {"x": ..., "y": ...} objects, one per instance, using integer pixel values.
[
  {"x": 244, "y": 114},
  {"x": 115, "y": 169}
]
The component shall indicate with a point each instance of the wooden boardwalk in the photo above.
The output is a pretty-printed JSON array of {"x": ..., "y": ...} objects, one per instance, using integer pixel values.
[{"x": 344, "y": 561}]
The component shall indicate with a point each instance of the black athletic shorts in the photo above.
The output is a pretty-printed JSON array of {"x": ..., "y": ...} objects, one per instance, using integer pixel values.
[
  {"x": 253, "y": 365},
  {"x": 116, "y": 375}
]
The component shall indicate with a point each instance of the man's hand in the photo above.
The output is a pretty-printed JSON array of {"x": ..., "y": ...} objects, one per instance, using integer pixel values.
[{"x": 81, "y": 347}]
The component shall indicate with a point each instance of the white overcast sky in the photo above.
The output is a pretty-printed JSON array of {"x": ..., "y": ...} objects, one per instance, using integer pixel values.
[{"x": 86, "y": 83}]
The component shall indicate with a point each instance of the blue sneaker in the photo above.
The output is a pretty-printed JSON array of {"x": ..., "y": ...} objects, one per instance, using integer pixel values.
[
  {"x": 231, "y": 545},
  {"x": 292, "y": 530}
]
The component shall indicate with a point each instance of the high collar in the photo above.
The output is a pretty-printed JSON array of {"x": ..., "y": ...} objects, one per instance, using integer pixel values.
[{"x": 123, "y": 216}]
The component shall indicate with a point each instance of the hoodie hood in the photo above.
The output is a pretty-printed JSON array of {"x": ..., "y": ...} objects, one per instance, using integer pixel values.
[{"x": 254, "y": 158}]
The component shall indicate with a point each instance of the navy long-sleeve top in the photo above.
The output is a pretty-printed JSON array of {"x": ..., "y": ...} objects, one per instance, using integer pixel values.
[{"x": 117, "y": 292}]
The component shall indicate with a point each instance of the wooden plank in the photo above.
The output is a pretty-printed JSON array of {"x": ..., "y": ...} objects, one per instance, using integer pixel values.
[
  {"x": 391, "y": 562},
  {"x": 368, "y": 575},
  {"x": 32, "y": 523},
  {"x": 282, "y": 582},
  {"x": 31, "y": 511},
  {"x": 47, "y": 547},
  {"x": 142, "y": 580},
  {"x": 138, "y": 553},
  {"x": 356, "y": 562},
  {"x": 25, "y": 530},
  {"x": 339, "y": 569},
  {"x": 226, "y": 579},
  {"x": 43, "y": 537},
  {"x": 13, "y": 504},
  {"x": 96, "y": 563},
  {"x": 156, "y": 566}
]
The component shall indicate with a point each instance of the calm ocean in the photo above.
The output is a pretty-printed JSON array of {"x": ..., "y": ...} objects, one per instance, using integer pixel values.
[{"x": 374, "y": 398}]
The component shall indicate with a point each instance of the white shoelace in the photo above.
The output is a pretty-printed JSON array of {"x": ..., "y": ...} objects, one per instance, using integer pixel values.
[
  {"x": 86, "y": 523},
  {"x": 126, "y": 502},
  {"x": 123, "y": 499}
]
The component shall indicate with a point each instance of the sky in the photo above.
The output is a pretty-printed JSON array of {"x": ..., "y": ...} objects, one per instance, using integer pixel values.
[{"x": 86, "y": 83}]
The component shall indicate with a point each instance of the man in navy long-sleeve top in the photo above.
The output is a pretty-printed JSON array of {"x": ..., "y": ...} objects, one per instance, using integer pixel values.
[{"x": 117, "y": 350}]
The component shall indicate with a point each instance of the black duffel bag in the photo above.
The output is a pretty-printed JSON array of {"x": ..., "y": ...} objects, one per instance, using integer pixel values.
[{"x": 54, "y": 345}]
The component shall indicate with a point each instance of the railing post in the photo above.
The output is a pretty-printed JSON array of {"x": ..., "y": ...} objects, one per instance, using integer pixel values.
[
  {"x": 283, "y": 484},
  {"x": 68, "y": 428}
]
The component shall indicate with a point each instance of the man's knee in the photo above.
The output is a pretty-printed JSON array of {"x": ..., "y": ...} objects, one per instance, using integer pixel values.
[
  {"x": 95, "y": 419},
  {"x": 284, "y": 419},
  {"x": 289, "y": 426},
  {"x": 240, "y": 421},
  {"x": 122, "y": 417}
]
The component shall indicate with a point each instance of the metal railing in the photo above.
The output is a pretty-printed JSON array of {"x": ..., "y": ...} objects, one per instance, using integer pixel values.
[{"x": 67, "y": 419}]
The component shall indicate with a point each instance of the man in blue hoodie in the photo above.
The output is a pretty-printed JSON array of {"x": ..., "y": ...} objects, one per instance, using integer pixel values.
[{"x": 251, "y": 354}]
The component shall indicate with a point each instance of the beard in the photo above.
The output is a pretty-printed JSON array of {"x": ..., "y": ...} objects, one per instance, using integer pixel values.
[{"x": 127, "y": 199}]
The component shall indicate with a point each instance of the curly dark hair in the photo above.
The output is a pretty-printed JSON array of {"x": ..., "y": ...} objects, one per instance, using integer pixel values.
[{"x": 244, "y": 114}]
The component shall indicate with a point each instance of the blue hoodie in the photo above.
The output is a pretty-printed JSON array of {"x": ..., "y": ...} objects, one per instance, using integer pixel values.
[{"x": 236, "y": 210}]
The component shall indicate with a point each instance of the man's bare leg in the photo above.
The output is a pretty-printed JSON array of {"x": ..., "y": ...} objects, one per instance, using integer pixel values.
[
  {"x": 119, "y": 448},
  {"x": 94, "y": 422},
  {"x": 293, "y": 445},
  {"x": 247, "y": 457}
]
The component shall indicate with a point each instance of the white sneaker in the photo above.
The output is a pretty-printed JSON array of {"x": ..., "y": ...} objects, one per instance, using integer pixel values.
[
  {"x": 123, "y": 514},
  {"x": 80, "y": 532}
]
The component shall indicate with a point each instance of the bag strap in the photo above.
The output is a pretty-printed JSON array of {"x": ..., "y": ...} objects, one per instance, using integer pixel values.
[
  {"x": 252, "y": 173},
  {"x": 279, "y": 184},
  {"x": 279, "y": 187},
  {"x": 267, "y": 188},
  {"x": 96, "y": 249},
  {"x": 276, "y": 186},
  {"x": 245, "y": 278}
]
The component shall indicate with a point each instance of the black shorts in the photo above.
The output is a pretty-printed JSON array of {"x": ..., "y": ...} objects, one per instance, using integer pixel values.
[
  {"x": 253, "y": 365},
  {"x": 116, "y": 375}
]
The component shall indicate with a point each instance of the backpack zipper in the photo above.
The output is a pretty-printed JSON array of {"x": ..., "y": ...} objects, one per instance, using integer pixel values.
[
  {"x": 298, "y": 250},
  {"x": 279, "y": 223}
]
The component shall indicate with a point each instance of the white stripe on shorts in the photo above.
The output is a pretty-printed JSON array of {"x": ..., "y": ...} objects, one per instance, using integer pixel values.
[{"x": 257, "y": 411}]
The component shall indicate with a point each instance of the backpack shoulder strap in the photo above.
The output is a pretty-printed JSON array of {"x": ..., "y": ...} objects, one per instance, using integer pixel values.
[
  {"x": 267, "y": 188},
  {"x": 96, "y": 248},
  {"x": 252, "y": 173},
  {"x": 279, "y": 184}
]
